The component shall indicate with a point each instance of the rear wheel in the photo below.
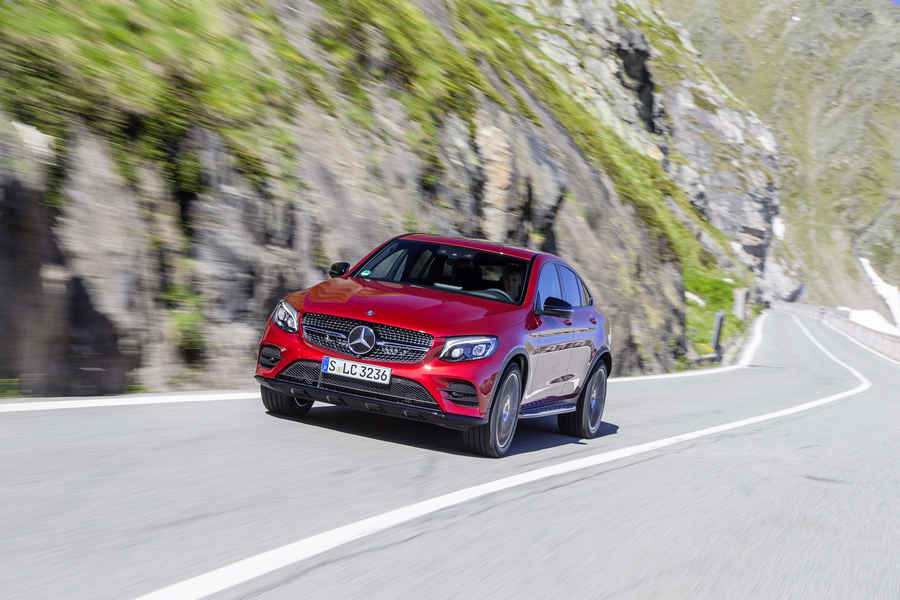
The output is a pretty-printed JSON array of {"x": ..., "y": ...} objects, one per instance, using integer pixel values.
[
  {"x": 282, "y": 404},
  {"x": 495, "y": 437},
  {"x": 585, "y": 421}
]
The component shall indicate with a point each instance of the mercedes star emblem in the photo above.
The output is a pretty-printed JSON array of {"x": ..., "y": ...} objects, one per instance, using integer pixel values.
[{"x": 361, "y": 340}]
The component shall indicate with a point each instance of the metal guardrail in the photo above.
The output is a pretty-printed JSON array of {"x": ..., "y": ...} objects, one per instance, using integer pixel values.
[{"x": 885, "y": 343}]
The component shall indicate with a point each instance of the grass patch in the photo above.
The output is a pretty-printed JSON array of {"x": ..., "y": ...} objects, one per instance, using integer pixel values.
[
  {"x": 671, "y": 65},
  {"x": 304, "y": 72},
  {"x": 756, "y": 310},
  {"x": 190, "y": 329},
  {"x": 188, "y": 322},
  {"x": 410, "y": 223},
  {"x": 700, "y": 320},
  {"x": 175, "y": 296},
  {"x": 701, "y": 100},
  {"x": 320, "y": 258},
  {"x": 9, "y": 388},
  {"x": 143, "y": 74},
  {"x": 432, "y": 77},
  {"x": 674, "y": 62}
]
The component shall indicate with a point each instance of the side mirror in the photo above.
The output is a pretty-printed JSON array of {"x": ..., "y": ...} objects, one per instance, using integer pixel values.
[
  {"x": 556, "y": 307},
  {"x": 338, "y": 269}
]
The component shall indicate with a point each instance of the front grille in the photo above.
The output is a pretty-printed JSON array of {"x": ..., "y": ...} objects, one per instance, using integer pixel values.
[
  {"x": 400, "y": 390},
  {"x": 395, "y": 344}
]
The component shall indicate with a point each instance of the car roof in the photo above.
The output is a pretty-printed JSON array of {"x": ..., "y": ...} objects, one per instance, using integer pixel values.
[{"x": 474, "y": 244}]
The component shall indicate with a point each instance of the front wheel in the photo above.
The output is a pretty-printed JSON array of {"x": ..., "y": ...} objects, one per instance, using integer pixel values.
[
  {"x": 495, "y": 437},
  {"x": 585, "y": 421},
  {"x": 282, "y": 404}
]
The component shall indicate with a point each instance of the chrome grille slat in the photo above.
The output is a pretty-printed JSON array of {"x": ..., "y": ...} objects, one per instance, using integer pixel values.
[
  {"x": 395, "y": 344},
  {"x": 400, "y": 390},
  {"x": 325, "y": 332}
]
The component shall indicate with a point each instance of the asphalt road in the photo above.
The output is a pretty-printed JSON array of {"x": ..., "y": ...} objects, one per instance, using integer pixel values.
[{"x": 120, "y": 501}]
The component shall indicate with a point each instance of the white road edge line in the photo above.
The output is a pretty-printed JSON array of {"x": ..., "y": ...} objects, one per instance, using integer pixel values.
[
  {"x": 860, "y": 344},
  {"x": 13, "y": 407},
  {"x": 746, "y": 357},
  {"x": 261, "y": 564},
  {"x": 37, "y": 405}
]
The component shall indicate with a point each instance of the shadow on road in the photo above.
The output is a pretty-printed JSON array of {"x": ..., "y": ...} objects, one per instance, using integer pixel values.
[{"x": 532, "y": 434}]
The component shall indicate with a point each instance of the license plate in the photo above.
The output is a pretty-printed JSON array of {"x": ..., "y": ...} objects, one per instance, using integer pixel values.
[{"x": 356, "y": 370}]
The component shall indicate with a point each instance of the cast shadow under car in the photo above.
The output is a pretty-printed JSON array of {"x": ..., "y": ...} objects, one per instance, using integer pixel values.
[{"x": 532, "y": 435}]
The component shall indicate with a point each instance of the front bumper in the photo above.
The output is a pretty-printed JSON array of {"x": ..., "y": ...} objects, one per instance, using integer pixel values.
[
  {"x": 373, "y": 405},
  {"x": 435, "y": 376}
]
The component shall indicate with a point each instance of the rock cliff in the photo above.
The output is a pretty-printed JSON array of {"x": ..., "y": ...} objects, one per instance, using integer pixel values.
[{"x": 143, "y": 244}]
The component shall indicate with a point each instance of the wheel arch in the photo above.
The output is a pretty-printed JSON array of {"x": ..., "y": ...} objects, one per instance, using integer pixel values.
[
  {"x": 520, "y": 357},
  {"x": 603, "y": 354},
  {"x": 606, "y": 357}
]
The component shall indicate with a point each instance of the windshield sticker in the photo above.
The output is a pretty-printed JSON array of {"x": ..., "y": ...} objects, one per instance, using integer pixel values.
[{"x": 365, "y": 273}]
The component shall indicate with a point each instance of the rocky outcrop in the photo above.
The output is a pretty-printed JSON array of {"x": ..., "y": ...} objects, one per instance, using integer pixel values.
[
  {"x": 726, "y": 159},
  {"x": 71, "y": 277},
  {"x": 716, "y": 150}
]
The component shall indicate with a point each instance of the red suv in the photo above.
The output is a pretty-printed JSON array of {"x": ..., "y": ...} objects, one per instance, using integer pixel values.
[{"x": 462, "y": 333}]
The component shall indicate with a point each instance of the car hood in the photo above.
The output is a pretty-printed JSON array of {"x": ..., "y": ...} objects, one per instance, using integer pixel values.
[{"x": 434, "y": 311}]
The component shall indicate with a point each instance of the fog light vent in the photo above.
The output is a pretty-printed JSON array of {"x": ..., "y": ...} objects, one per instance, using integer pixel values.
[
  {"x": 269, "y": 356},
  {"x": 461, "y": 392}
]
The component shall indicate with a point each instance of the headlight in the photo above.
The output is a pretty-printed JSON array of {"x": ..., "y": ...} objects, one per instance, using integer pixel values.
[
  {"x": 458, "y": 349},
  {"x": 286, "y": 317}
]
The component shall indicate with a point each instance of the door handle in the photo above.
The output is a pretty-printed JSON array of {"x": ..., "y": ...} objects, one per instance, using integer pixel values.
[{"x": 594, "y": 320}]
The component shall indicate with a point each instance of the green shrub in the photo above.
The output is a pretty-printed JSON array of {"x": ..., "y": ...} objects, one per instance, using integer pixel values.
[
  {"x": 9, "y": 388},
  {"x": 191, "y": 335},
  {"x": 188, "y": 322}
]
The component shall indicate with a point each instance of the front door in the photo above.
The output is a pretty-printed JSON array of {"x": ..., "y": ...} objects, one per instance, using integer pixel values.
[
  {"x": 556, "y": 347},
  {"x": 581, "y": 333}
]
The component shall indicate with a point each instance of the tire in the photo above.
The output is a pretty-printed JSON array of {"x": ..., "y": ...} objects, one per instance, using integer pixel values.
[
  {"x": 282, "y": 404},
  {"x": 495, "y": 437},
  {"x": 585, "y": 421}
]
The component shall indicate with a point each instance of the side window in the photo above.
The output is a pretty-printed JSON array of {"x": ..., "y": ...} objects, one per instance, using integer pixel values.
[
  {"x": 570, "y": 287},
  {"x": 586, "y": 299},
  {"x": 548, "y": 284}
]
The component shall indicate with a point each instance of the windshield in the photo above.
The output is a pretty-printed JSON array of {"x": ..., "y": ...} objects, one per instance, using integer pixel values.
[{"x": 449, "y": 268}]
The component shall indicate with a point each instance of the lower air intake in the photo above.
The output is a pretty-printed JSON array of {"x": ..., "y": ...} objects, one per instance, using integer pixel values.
[{"x": 401, "y": 390}]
